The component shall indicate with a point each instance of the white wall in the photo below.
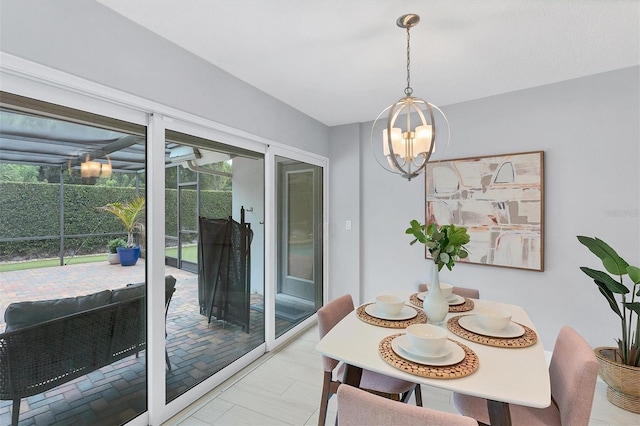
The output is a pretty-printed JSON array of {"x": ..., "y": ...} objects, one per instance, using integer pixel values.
[
  {"x": 248, "y": 191},
  {"x": 589, "y": 131}
]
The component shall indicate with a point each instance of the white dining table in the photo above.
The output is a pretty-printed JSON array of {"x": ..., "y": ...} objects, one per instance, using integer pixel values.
[{"x": 504, "y": 376}]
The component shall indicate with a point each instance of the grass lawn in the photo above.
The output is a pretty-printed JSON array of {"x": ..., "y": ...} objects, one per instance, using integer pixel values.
[
  {"x": 189, "y": 253},
  {"x": 45, "y": 263}
]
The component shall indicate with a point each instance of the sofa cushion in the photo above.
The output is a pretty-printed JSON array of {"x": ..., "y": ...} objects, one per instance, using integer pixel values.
[
  {"x": 129, "y": 292},
  {"x": 24, "y": 314},
  {"x": 138, "y": 289}
]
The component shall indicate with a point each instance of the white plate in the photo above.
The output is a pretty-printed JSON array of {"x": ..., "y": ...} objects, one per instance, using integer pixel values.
[
  {"x": 405, "y": 345},
  {"x": 452, "y": 300},
  {"x": 470, "y": 323},
  {"x": 456, "y": 355},
  {"x": 455, "y": 300},
  {"x": 406, "y": 313}
]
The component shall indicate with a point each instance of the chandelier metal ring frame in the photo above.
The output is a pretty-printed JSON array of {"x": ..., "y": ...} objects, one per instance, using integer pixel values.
[{"x": 408, "y": 150}]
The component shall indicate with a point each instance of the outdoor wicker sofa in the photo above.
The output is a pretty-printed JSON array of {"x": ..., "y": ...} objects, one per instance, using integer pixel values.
[{"x": 51, "y": 342}]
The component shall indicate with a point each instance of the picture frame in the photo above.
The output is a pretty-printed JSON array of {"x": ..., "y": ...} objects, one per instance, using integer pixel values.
[{"x": 499, "y": 199}]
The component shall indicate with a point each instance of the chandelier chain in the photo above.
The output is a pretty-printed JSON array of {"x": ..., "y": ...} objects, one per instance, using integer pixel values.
[{"x": 408, "y": 91}]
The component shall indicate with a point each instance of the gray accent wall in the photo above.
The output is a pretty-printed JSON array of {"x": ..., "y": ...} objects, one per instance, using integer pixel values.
[{"x": 344, "y": 205}]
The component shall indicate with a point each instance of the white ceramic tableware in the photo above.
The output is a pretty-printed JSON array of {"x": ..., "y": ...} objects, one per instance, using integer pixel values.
[
  {"x": 445, "y": 288},
  {"x": 453, "y": 354},
  {"x": 389, "y": 304},
  {"x": 470, "y": 323},
  {"x": 455, "y": 300},
  {"x": 426, "y": 338},
  {"x": 406, "y": 313},
  {"x": 492, "y": 318}
]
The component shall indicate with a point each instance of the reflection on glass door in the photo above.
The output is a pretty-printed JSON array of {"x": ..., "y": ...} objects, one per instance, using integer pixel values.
[
  {"x": 188, "y": 225},
  {"x": 299, "y": 285},
  {"x": 216, "y": 314},
  {"x": 72, "y": 325}
]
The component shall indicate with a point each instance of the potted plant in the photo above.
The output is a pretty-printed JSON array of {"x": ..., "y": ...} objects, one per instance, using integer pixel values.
[
  {"x": 445, "y": 245},
  {"x": 129, "y": 214},
  {"x": 112, "y": 256},
  {"x": 619, "y": 366}
]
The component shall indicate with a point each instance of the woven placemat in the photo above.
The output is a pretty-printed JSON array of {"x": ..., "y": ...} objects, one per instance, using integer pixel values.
[
  {"x": 529, "y": 337},
  {"x": 421, "y": 318},
  {"x": 463, "y": 307},
  {"x": 464, "y": 368}
]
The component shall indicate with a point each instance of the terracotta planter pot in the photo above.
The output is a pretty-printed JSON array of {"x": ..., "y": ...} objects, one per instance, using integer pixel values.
[{"x": 623, "y": 380}]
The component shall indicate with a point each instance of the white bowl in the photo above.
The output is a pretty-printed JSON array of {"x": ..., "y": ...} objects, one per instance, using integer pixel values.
[
  {"x": 445, "y": 288},
  {"x": 492, "y": 318},
  {"x": 389, "y": 304},
  {"x": 426, "y": 338}
]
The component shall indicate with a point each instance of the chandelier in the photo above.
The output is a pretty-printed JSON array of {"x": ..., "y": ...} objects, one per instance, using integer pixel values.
[
  {"x": 409, "y": 138},
  {"x": 93, "y": 169}
]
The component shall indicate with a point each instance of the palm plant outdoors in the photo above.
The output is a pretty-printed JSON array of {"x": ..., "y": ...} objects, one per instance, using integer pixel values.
[
  {"x": 628, "y": 309},
  {"x": 128, "y": 213},
  {"x": 445, "y": 244}
]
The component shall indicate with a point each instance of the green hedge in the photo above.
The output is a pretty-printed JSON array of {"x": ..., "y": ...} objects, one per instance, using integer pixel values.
[{"x": 33, "y": 210}]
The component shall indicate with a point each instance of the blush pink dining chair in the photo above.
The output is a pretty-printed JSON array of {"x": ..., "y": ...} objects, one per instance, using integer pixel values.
[
  {"x": 471, "y": 293},
  {"x": 328, "y": 316},
  {"x": 573, "y": 371},
  {"x": 357, "y": 407}
]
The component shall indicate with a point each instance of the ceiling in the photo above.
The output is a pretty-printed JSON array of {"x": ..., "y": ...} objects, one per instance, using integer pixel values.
[{"x": 344, "y": 61}]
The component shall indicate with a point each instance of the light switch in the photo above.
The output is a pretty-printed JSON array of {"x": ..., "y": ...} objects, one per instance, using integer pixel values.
[{"x": 347, "y": 225}]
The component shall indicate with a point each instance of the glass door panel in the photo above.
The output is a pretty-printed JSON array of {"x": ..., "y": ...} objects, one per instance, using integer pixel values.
[
  {"x": 216, "y": 315},
  {"x": 299, "y": 277},
  {"x": 73, "y": 334}
]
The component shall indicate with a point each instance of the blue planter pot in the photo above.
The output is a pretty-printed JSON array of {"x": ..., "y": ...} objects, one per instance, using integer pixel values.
[{"x": 128, "y": 256}]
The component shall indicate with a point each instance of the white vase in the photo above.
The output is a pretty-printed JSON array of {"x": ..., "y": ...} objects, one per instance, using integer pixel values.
[{"x": 435, "y": 305}]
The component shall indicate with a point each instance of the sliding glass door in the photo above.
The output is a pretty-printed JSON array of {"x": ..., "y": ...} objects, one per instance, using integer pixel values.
[
  {"x": 216, "y": 315},
  {"x": 209, "y": 297},
  {"x": 72, "y": 324}
]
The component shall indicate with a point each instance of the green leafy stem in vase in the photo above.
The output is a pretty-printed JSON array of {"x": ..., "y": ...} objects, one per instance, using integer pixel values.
[{"x": 445, "y": 243}]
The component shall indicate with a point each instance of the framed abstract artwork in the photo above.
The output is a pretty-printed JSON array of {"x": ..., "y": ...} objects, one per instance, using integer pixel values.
[{"x": 499, "y": 199}]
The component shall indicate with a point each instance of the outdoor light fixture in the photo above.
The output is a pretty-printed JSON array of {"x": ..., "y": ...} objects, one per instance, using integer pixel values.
[
  {"x": 94, "y": 169},
  {"x": 409, "y": 138}
]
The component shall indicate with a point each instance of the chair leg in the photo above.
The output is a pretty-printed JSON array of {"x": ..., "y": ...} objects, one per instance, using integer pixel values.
[
  {"x": 407, "y": 395},
  {"x": 15, "y": 414},
  {"x": 404, "y": 398},
  {"x": 324, "y": 400},
  {"x": 418, "y": 391}
]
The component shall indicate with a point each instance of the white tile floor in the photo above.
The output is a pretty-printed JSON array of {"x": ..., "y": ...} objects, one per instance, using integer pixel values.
[{"x": 283, "y": 388}]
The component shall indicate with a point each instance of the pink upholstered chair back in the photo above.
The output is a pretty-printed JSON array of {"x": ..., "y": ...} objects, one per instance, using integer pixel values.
[
  {"x": 328, "y": 316},
  {"x": 573, "y": 371},
  {"x": 357, "y": 407}
]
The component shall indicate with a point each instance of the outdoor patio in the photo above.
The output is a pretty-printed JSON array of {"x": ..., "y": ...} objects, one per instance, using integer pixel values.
[{"x": 116, "y": 393}]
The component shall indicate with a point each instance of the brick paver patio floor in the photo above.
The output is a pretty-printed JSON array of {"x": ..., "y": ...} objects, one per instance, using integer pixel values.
[{"x": 116, "y": 393}]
